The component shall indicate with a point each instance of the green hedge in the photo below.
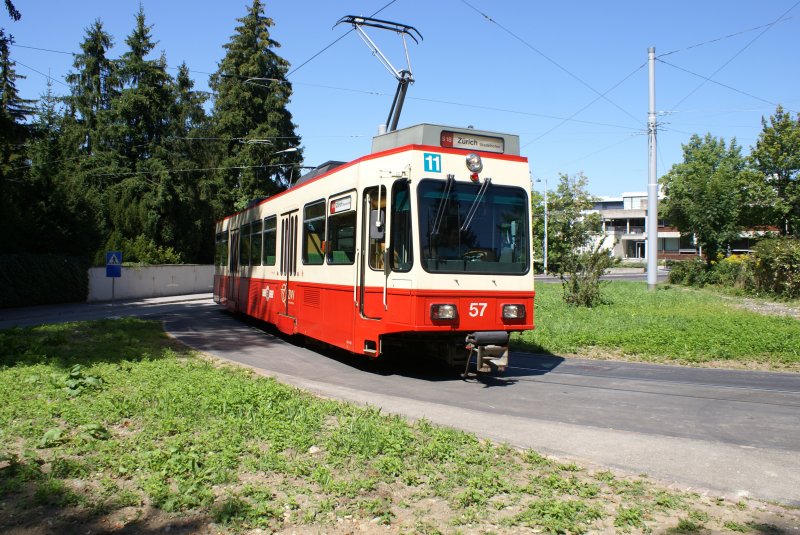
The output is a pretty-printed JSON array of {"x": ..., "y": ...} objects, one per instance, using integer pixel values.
[
  {"x": 773, "y": 268},
  {"x": 42, "y": 279},
  {"x": 776, "y": 266}
]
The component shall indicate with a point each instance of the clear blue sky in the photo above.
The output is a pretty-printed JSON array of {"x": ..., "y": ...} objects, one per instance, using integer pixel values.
[{"x": 527, "y": 70}]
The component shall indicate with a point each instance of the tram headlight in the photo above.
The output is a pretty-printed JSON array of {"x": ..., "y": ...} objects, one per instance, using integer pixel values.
[
  {"x": 474, "y": 163},
  {"x": 513, "y": 312},
  {"x": 444, "y": 312}
]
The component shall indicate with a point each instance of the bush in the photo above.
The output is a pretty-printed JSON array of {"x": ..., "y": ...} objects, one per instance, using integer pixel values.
[
  {"x": 581, "y": 278},
  {"x": 139, "y": 250},
  {"x": 41, "y": 279},
  {"x": 776, "y": 266},
  {"x": 734, "y": 271},
  {"x": 688, "y": 272},
  {"x": 773, "y": 268}
]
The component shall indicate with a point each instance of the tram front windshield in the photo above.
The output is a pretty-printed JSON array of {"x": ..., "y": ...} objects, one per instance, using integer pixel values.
[{"x": 467, "y": 228}]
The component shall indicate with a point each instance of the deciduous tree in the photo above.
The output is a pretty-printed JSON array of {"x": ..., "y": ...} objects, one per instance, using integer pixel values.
[
  {"x": 777, "y": 156},
  {"x": 707, "y": 193},
  {"x": 575, "y": 245}
]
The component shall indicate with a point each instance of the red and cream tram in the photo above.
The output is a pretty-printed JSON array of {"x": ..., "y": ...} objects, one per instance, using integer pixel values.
[{"x": 423, "y": 245}]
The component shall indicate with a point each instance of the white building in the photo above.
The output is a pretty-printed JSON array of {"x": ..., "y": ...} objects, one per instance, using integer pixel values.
[{"x": 624, "y": 229}]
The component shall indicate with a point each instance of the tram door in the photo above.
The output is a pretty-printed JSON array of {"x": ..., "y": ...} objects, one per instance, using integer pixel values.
[
  {"x": 233, "y": 270},
  {"x": 373, "y": 247},
  {"x": 288, "y": 263}
]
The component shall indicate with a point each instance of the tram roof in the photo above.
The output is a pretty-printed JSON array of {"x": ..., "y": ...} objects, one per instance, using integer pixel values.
[{"x": 448, "y": 137}]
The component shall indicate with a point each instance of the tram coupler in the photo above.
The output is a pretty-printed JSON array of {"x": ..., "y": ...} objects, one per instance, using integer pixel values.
[{"x": 491, "y": 348}]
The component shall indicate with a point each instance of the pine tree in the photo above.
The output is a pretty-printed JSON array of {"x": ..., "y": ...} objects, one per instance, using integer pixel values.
[
  {"x": 14, "y": 111},
  {"x": 58, "y": 206},
  {"x": 183, "y": 198},
  {"x": 142, "y": 110},
  {"x": 94, "y": 84},
  {"x": 252, "y": 94}
]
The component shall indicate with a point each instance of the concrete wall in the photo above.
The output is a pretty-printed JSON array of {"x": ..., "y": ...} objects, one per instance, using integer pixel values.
[{"x": 151, "y": 281}]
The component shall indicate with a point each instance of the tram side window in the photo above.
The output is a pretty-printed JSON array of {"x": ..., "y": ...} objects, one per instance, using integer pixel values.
[
  {"x": 376, "y": 202},
  {"x": 314, "y": 233},
  {"x": 244, "y": 245},
  {"x": 341, "y": 244},
  {"x": 270, "y": 240},
  {"x": 400, "y": 245},
  {"x": 221, "y": 250},
  {"x": 255, "y": 243}
]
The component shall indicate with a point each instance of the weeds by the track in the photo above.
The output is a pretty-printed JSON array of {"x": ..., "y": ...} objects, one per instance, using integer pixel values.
[{"x": 111, "y": 426}]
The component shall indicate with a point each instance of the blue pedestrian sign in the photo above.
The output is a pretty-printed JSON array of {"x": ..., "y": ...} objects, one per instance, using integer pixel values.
[{"x": 114, "y": 264}]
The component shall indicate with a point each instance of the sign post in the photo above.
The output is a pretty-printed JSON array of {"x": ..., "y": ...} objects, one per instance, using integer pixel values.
[{"x": 113, "y": 269}]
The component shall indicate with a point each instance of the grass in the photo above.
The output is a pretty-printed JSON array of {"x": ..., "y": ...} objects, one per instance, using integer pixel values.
[
  {"x": 144, "y": 433},
  {"x": 671, "y": 324}
]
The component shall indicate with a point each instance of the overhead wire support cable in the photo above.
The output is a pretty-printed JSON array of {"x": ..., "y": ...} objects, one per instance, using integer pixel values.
[
  {"x": 572, "y": 117},
  {"x": 707, "y": 79},
  {"x": 724, "y": 37},
  {"x": 736, "y": 55},
  {"x": 404, "y": 77},
  {"x": 551, "y": 60},
  {"x": 309, "y": 60}
]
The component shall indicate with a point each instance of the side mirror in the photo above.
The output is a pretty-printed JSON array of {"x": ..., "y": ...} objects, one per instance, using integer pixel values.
[{"x": 377, "y": 224}]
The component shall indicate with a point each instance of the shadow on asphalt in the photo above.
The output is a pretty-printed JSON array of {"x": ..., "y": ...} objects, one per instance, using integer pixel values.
[{"x": 413, "y": 365}]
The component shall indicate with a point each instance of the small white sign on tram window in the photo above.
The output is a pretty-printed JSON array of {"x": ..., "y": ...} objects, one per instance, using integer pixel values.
[
  {"x": 341, "y": 205},
  {"x": 461, "y": 140}
]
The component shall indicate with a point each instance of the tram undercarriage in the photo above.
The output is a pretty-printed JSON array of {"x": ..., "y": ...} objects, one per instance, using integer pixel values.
[{"x": 490, "y": 348}]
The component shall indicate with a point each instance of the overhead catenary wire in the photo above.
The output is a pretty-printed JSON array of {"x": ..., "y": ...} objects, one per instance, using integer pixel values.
[
  {"x": 463, "y": 104},
  {"x": 43, "y": 74},
  {"x": 608, "y": 147},
  {"x": 191, "y": 170},
  {"x": 431, "y": 100}
]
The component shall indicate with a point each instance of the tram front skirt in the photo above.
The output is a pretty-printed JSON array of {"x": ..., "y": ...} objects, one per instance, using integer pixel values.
[{"x": 491, "y": 348}]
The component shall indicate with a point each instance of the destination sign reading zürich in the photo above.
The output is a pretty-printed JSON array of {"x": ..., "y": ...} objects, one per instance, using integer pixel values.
[{"x": 460, "y": 140}]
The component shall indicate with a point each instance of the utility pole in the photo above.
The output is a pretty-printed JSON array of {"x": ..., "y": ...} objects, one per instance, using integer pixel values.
[
  {"x": 545, "y": 225},
  {"x": 544, "y": 242},
  {"x": 652, "y": 181}
]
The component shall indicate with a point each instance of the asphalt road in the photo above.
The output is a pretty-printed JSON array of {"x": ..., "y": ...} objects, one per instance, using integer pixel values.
[{"x": 733, "y": 433}]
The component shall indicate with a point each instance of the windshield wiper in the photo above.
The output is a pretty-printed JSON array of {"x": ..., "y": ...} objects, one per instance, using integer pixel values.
[
  {"x": 474, "y": 208},
  {"x": 437, "y": 221}
]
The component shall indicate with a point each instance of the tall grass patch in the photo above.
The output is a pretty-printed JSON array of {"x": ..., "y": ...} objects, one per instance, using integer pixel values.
[{"x": 670, "y": 324}]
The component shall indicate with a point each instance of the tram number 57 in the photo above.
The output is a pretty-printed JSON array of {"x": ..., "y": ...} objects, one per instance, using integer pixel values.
[{"x": 476, "y": 310}]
